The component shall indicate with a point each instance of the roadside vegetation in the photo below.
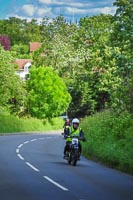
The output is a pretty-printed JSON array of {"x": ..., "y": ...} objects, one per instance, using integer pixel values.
[
  {"x": 85, "y": 69},
  {"x": 110, "y": 139},
  {"x": 13, "y": 124}
]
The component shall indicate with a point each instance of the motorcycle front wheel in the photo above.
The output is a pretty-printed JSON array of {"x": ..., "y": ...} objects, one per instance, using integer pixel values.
[{"x": 74, "y": 161}]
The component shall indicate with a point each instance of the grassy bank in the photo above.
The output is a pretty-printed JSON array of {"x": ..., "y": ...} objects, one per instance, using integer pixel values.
[
  {"x": 12, "y": 124},
  {"x": 109, "y": 136},
  {"x": 110, "y": 140}
]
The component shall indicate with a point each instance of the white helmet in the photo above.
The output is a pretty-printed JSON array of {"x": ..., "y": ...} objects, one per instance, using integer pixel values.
[{"x": 75, "y": 121}]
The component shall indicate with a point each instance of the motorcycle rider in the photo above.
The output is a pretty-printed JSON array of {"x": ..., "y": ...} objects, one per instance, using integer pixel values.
[
  {"x": 74, "y": 130},
  {"x": 67, "y": 123},
  {"x": 66, "y": 126}
]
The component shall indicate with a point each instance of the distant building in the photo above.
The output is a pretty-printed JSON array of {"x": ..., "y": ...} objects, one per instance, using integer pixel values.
[
  {"x": 34, "y": 46},
  {"x": 23, "y": 67},
  {"x": 25, "y": 64}
]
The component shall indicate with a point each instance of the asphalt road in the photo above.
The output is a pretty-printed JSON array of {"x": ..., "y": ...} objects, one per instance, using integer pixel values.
[{"x": 32, "y": 168}]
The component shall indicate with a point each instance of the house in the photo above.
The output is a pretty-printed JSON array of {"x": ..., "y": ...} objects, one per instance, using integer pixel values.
[
  {"x": 25, "y": 64},
  {"x": 34, "y": 46},
  {"x": 23, "y": 67}
]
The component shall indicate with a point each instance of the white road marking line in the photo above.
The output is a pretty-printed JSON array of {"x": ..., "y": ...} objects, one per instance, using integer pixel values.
[
  {"x": 20, "y": 146},
  {"x": 56, "y": 137},
  {"x": 34, "y": 168},
  {"x": 33, "y": 140},
  {"x": 17, "y": 150},
  {"x": 20, "y": 156},
  {"x": 55, "y": 183},
  {"x": 49, "y": 137},
  {"x": 26, "y": 142}
]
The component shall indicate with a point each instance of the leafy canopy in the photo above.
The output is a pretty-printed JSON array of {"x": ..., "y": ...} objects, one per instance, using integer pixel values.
[
  {"x": 48, "y": 96},
  {"x": 12, "y": 91}
]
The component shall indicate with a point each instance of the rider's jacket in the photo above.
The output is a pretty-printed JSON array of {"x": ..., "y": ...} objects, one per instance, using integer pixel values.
[{"x": 73, "y": 132}]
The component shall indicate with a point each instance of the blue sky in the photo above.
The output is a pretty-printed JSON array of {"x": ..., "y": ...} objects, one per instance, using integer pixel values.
[{"x": 70, "y": 9}]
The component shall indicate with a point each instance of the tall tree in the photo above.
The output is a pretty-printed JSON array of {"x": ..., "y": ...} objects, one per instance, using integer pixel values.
[
  {"x": 122, "y": 39},
  {"x": 76, "y": 56},
  {"x": 5, "y": 42},
  {"x": 12, "y": 92},
  {"x": 122, "y": 35},
  {"x": 48, "y": 95}
]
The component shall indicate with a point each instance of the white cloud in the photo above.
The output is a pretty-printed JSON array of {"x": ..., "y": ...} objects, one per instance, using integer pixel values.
[
  {"x": 68, "y": 3},
  {"x": 44, "y": 11},
  {"x": 51, "y": 2},
  {"x": 105, "y": 10},
  {"x": 110, "y": 10},
  {"x": 41, "y": 11},
  {"x": 29, "y": 9},
  {"x": 70, "y": 10},
  {"x": 87, "y": 11}
]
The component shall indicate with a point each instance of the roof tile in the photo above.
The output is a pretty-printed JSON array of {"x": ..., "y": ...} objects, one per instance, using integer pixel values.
[
  {"x": 34, "y": 46},
  {"x": 22, "y": 62}
]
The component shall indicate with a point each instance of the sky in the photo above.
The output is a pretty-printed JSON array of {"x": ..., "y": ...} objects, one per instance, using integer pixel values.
[{"x": 71, "y": 9}]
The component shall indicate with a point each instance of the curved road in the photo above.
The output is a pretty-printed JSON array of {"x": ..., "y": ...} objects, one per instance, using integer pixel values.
[{"x": 32, "y": 168}]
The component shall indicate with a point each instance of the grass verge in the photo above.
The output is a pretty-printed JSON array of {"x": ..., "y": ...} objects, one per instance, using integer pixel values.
[
  {"x": 12, "y": 124},
  {"x": 110, "y": 139}
]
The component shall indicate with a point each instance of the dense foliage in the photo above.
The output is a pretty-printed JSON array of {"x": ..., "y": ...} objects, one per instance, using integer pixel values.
[
  {"x": 12, "y": 91},
  {"x": 93, "y": 57},
  {"x": 48, "y": 96},
  {"x": 109, "y": 139},
  {"x": 5, "y": 42}
]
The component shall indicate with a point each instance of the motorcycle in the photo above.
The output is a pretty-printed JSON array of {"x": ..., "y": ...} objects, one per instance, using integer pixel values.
[{"x": 73, "y": 152}]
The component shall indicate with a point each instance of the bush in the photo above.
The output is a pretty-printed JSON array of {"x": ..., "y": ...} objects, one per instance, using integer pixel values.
[{"x": 109, "y": 139}]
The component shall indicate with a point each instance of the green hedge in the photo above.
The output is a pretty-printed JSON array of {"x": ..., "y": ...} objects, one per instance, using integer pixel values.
[{"x": 110, "y": 139}]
